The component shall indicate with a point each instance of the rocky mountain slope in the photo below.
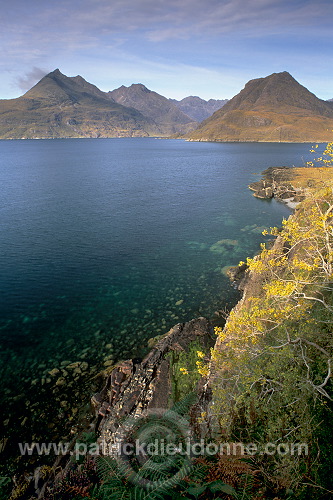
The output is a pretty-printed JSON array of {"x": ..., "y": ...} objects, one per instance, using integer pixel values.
[
  {"x": 198, "y": 108},
  {"x": 275, "y": 108},
  {"x": 60, "y": 106},
  {"x": 169, "y": 118}
]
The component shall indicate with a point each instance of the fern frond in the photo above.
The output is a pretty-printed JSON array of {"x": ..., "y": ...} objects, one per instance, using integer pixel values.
[{"x": 183, "y": 406}]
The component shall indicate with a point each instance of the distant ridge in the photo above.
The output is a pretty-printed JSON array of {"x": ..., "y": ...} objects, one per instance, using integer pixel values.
[
  {"x": 199, "y": 109},
  {"x": 275, "y": 108},
  {"x": 61, "y": 106},
  {"x": 169, "y": 118}
]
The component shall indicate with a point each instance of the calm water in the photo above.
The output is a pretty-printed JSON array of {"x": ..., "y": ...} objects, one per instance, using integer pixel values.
[{"x": 106, "y": 243}]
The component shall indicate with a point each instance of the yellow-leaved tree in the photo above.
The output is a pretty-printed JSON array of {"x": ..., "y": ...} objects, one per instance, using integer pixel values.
[{"x": 272, "y": 368}]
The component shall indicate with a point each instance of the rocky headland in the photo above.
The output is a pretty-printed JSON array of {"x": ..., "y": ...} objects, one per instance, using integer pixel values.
[{"x": 277, "y": 182}]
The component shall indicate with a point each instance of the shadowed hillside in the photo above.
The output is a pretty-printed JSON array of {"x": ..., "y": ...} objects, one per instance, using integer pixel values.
[{"x": 165, "y": 113}]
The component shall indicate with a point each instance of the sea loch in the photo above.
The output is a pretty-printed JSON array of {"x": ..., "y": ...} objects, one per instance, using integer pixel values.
[{"x": 106, "y": 243}]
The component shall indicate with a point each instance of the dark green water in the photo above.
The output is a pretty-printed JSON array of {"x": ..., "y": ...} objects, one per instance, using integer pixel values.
[{"x": 106, "y": 243}]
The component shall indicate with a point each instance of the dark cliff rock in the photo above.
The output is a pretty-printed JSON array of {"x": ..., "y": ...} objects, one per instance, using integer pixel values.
[
  {"x": 237, "y": 274},
  {"x": 135, "y": 388}
]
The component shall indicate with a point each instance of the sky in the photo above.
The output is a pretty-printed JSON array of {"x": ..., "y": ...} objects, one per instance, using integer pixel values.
[{"x": 207, "y": 48}]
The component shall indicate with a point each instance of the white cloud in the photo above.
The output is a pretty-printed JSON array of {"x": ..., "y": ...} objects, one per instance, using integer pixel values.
[{"x": 26, "y": 81}]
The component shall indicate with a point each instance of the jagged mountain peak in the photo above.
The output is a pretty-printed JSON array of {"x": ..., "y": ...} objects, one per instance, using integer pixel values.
[
  {"x": 273, "y": 108},
  {"x": 139, "y": 86},
  {"x": 276, "y": 91},
  {"x": 57, "y": 86}
]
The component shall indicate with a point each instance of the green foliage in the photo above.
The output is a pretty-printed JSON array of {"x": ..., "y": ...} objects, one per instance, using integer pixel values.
[
  {"x": 214, "y": 487},
  {"x": 117, "y": 482},
  {"x": 5, "y": 487},
  {"x": 114, "y": 486},
  {"x": 184, "y": 370}
]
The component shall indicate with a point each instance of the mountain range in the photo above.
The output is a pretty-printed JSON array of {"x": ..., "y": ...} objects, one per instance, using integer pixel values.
[
  {"x": 198, "y": 108},
  {"x": 59, "y": 106},
  {"x": 271, "y": 109},
  {"x": 169, "y": 118}
]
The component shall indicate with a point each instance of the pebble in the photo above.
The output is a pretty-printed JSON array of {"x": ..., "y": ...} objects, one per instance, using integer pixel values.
[
  {"x": 64, "y": 363},
  {"x": 179, "y": 302},
  {"x": 61, "y": 381},
  {"x": 74, "y": 365},
  {"x": 54, "y": 372},
  {"x": 108, "y": 362}
]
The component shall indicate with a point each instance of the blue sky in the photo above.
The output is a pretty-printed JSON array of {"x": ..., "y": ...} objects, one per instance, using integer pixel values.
[{"x": 209, "y": 48}]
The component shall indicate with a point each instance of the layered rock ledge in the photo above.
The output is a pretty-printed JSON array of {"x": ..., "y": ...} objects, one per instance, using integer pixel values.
[
  {"x": 277, "y": 182},
  {"x": 133, "y": 388}
]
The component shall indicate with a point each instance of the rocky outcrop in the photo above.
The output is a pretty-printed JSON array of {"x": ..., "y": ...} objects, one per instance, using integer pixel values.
[
  {"x": 277, "y": 183},
  {"x": 135, "y": 387},
  {"x": 237, "y": 274},
  {"x": 132, "y": 389}
]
